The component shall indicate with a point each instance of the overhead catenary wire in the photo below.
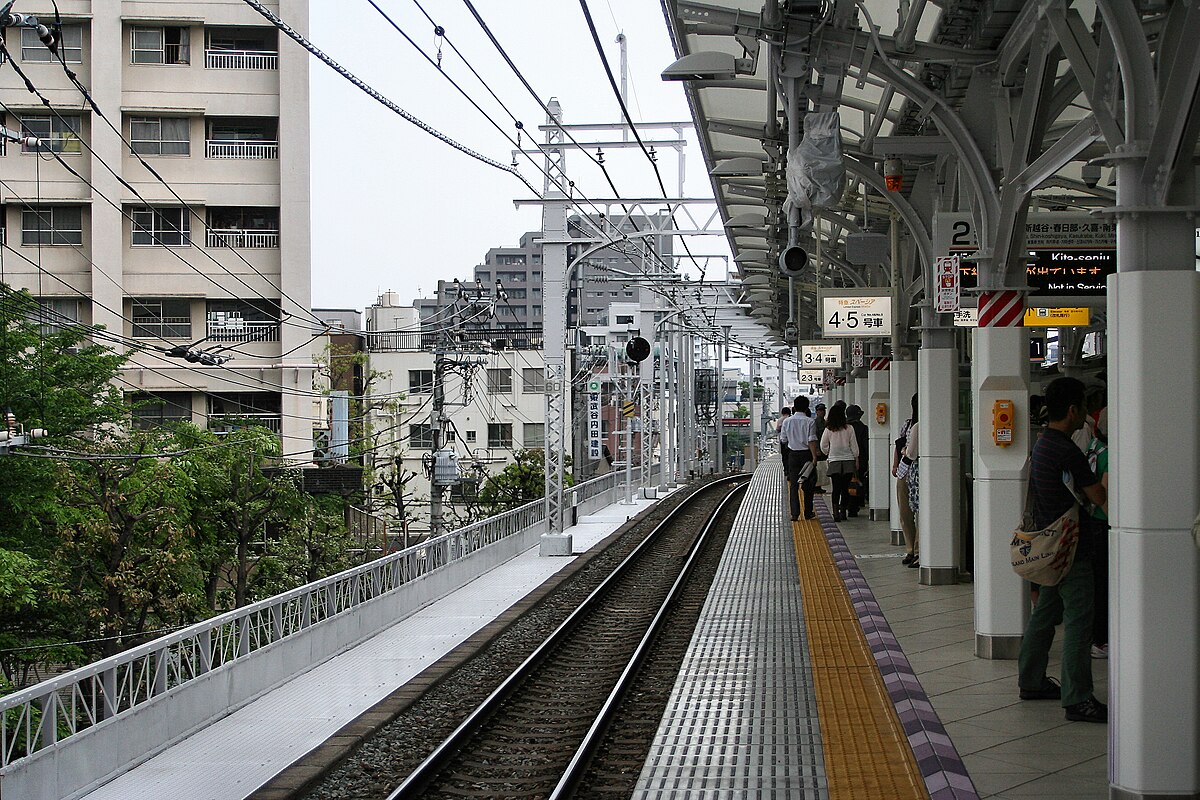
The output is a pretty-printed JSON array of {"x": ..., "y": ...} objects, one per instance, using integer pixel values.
[{"x": 175, "y": 229}]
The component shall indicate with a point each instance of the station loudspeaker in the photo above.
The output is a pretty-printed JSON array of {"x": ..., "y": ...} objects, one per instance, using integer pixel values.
[
  {"x": 637, "y": 350},
  {"x": 790, "y": 334},
  {"x": 792, "y": 261}
]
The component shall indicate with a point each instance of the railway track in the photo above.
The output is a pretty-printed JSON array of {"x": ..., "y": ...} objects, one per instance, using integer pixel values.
[{"x": 538, "y": 733}]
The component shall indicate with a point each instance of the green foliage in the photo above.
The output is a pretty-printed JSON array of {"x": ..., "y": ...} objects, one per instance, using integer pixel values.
[
  {"x": 313, "y": 545},
  {"x": 516, "y": 484},
  {"x": 52, "y": 379},
  {"x": 125, "y": 552}
]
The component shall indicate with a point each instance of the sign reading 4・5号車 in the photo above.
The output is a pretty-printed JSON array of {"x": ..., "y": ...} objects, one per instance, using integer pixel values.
[{"x": 855, "y": 313}]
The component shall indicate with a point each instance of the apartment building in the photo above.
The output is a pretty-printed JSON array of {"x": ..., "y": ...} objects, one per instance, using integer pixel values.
[
  {"x": 219, "y": 257},
  {"x": 494, "y": 399},
  {"x": 605, "y": 276}
]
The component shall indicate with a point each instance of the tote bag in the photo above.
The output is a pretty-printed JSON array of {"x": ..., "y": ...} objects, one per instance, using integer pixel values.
[{"x": 1045, "y": 555}]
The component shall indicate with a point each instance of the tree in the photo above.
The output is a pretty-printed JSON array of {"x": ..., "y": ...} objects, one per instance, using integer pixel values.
[
  {"x": 51, "y": 377},
  {"x": 127, "y": 561},
  {"x": 313, "y": 545},
  {"x": 238, "y": 493},
  {"x": 517, "y": 483}
]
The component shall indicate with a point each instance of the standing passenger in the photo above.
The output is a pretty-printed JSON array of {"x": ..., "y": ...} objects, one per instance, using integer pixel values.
[
  {"x": 839, "y": 443},
  {"x": 1097, "y": 456},
  {"x": 802, "y": 458},
  {"x": 854, "y": 416},
  {"x": 822, "y": 464},
  {"x": 908, "y": 522},
  {"x": 1054, "y": 459},
  {"x": 784, "y": 413}
]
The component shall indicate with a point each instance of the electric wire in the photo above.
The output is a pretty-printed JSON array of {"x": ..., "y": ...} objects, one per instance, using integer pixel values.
[
  {"x": 176, "y": 229},
  {"x": 83, "y": 90},
  {"x": 287, "y": 30}
]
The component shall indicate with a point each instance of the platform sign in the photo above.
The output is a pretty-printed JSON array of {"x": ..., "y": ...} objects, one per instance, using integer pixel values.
[
  {"x": 1034, "y": 317},
  {"x": 948, "y": 296},
  {"x": 810, "y": 377},
  {"x": 1070, "y": 254},
  {"x": 594, "y": 425},
  {"x": 856, "y": 353},
  {"x": 821, "y": 355},
  {"x": 594, "y": 386},
  {"x": 855, "y": 312}
]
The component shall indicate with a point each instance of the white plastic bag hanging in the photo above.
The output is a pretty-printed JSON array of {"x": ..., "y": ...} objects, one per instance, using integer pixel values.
[{"x": 816, "y": 175}]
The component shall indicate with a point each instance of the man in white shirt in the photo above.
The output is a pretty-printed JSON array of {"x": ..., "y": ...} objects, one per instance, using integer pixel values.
[{"x": 799, "y": 434}]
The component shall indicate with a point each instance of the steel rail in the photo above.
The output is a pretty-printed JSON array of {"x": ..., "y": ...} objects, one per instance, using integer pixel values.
[
  {"x": 437, "y": 761},
  {"x": 592, "y": 741}
]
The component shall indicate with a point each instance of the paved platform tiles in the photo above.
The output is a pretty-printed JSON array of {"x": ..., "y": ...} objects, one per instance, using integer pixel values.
[
  {"x": 1012, "y": 749},
  {"x": 233, "y": 757}
]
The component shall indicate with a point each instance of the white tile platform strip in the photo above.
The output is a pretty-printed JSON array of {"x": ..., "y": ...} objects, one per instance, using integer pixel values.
[
  {"x": 235, "y": 756},
  {"x": 742, "y": 718}
]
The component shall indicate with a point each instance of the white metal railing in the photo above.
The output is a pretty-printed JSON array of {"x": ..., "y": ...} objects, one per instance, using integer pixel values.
[
  {"x": 236, "y": 148},
  {"x": 240, "y": 59},
  {"x": 221, "y": 424},
  {"x": 236, "y": 237},
  {"x": 72, "y": 704},
  {"x": 244, "y": 331}
]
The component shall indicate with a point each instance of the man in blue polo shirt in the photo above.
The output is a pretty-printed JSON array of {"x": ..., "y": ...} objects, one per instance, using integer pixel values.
[{"x": 1054, "y": 466}]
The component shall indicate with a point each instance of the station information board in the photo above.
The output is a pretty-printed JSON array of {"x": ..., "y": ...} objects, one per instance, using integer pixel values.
[
  {"x": 821, "y": 355},
  {"x": 1070, "y": 254},
  {"x": 1034, "y": 317},
  {"x": 855, "y": 313},
  {"x": 810, "y": 376}
]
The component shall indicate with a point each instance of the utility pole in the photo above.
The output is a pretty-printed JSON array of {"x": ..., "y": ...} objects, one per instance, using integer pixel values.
[{"x": 436, "y": 421}]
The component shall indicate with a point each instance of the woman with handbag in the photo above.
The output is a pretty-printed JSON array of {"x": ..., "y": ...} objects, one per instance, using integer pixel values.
[
  {"x": 859, "y": 485},
  {"x": 840, "y": 444},
  {"x": 900, "y": 468}
]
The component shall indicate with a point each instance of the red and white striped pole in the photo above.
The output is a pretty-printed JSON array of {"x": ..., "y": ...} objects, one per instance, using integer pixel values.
[{"x": 1005, "y": 309}]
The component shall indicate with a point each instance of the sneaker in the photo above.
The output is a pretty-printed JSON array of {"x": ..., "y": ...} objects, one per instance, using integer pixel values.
[
  {"x": 1051, "y": 691},
  {"x": 1090, "y": 710},
  {"x": 1099, "y": 651}
]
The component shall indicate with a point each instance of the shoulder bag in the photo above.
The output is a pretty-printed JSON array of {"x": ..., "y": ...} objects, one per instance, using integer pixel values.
[{"x": 1043, "y": 556}]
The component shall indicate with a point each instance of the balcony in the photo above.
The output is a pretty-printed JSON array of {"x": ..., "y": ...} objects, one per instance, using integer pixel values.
[
  {"x": 236, "y": 329},
  {"x": 239, "y": 238},
  {"x": 223, "y": 424},
  {"x": 232, "y": 148},
  {"x": 240, "y": 59}
]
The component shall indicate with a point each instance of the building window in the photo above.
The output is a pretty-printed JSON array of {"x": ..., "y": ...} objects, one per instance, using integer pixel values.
[
  {"x": 242, "y": 320},
  {"x": 230, "y": 411},
  {"x": 56, "y": 134},
  {"x": 156, "y": 410},
  {"x": 161, "y": 226},
  {"x": 249, "y": 227},
  {"x": 241, "y": 48},
  {"x": 71, "y": 46},
  {"x": 55, "y": 314},
  {"x": 499, "y": 381},
  {"x": 160, "y": 136},
  {"x": 533, "y": 380},
  {"x": 52, "y": 225},
  {"x": 534, "y": 435},
  {"x": 238, "y": 137},
  {"x": 161, "y": 46},
  {"x": 420, "y": 436},
  {"x": 162, "y": 319},
  {"x": 420, "y": 381},
  {"x": 624, "y": 319},
  {"x": 500, "y": 435},
  {"x": 470, "y": 437}
]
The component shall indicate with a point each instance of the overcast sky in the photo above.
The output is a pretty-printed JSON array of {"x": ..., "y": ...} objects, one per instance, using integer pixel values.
[{"x": 393, "y": 207}]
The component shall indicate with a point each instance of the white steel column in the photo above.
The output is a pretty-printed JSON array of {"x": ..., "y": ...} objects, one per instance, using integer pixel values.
[
  {"x": 881, "y": 485},
  {"x": 938, "y": 481},
  {"x": 752, "y": 461},
  {"x": 902, "y": 385},
  {"x": 1000, "y": 371},
  {"x": 554, "y": 320},
  {"x": 859, "y": 397},
  {"x": 1154, "y": 325}
]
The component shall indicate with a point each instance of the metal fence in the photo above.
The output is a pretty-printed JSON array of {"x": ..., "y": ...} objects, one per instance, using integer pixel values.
[
  {"x": 74, "y": 703},
  {"x": 240, "y": 59}
]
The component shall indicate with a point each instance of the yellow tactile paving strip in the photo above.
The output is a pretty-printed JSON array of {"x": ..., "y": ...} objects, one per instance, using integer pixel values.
[{"x": 867, "y": 754}]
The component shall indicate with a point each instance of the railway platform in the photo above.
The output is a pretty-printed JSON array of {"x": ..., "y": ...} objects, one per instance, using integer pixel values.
[{"x": 820, "y": 668}]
